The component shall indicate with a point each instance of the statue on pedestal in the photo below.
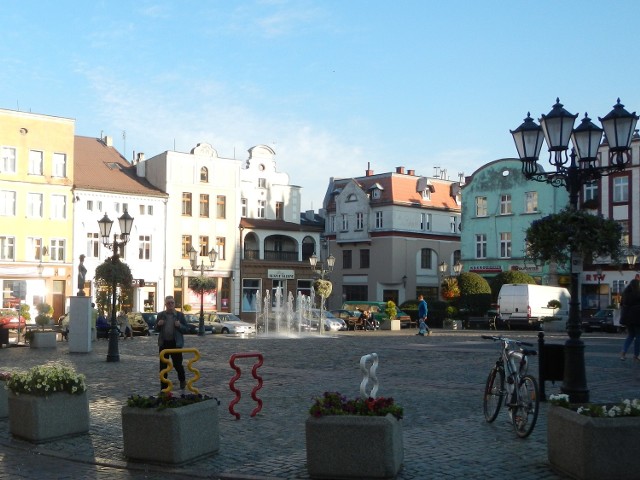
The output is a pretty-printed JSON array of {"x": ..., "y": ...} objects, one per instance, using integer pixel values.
[{"x": 82, "y": 272}]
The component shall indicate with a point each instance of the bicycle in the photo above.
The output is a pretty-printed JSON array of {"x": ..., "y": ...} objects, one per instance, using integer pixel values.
[{"x": 510, "y": 369}]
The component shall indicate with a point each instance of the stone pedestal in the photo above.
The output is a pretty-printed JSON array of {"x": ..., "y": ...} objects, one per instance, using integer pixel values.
[
  {"x": 43, "y": 339},
  {"x": 80, "y": 324},
  {"x": 387, "y": 324}
]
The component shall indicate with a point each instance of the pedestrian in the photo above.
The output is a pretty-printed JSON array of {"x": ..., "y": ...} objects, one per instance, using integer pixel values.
[
  {"x": 630, "y": 317},
  {"x": 125, "y": 327},
  {"x": 422, "y": 316},
  {"x": 170, "y": 325}
]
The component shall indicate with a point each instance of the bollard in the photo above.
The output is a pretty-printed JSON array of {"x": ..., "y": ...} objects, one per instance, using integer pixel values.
[
  {"x": 167, "y": 361},
  {"x": 369, "y": 374},
  {"x": 254, "y": 372}
]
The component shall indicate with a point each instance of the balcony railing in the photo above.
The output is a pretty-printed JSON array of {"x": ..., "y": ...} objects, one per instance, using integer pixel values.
[{"x": 271, "y": 255}]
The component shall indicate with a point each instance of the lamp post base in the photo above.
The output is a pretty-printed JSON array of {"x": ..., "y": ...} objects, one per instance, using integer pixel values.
[
  {"x": 574, "y": 382},
  {"x": 113, "y": 355}
]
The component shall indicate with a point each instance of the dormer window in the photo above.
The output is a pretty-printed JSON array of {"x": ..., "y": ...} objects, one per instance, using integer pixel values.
[
  {"x": 426, "y": 194},
  {"x": 375, "y": 193}
]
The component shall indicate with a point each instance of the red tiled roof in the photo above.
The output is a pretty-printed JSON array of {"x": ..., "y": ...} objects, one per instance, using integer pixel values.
[{"x": 102, "y": 168}]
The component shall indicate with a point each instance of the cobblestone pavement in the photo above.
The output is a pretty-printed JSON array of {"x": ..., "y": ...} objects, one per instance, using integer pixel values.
[{"x": 438, "y": 379}]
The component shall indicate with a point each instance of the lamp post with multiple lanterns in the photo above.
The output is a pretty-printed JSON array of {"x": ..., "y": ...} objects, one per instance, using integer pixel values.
[
  {"x": 193, "y": 260},
  {"x": 322, "y": 269},
  {"x": 582, "y": 166},
  {"x": 105, "y": 224}
]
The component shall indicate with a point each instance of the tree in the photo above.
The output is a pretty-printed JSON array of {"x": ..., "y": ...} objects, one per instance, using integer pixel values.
[
  {"x": 510, "y": 276},
  {"x": 475, "y": 293},
  {"x": 552, "y": 238},
  {"x": 202, "y": 284},
  {"x": 450, "y": 288}
]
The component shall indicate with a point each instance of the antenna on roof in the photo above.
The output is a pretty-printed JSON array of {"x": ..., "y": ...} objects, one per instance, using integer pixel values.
[
  {"x": 436, "y": 173},
  {"x": 124, "y": 139},
  {"x": 460, "y": 176}
]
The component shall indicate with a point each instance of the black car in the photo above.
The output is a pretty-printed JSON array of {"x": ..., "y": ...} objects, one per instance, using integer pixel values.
[{"x": 193, "y": 323}]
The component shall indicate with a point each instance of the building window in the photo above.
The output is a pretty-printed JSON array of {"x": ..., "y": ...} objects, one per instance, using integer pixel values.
[
  {"x": 204, "y": 205},
  {"x": 364, "y": 258},
  {"x": 351, "y": 197},
  {"x": 58, "y": 207},
  {"x": 204, "y": 175},
  {"x": 35, "y": 162},
  {"x": 425, "y": 222},
  {"x": 34, "y": 205},
  {"x": 34, "y": 248},
  {"x": 116, "y": 207},
  {"x": 481, "y": 206},
  {"x": 346, "y": 259},
  {"x": 530, "y": 202},
  {"x": 221, "y": 202},
  {"x": 90, "y": 205},
  {"x": 481, "y": 245},
  {"x": 144, "y": 247},
  {"x": 378, "y": 219},
  {"x": 8, "y": 160},
  {"x": 93, "y": 245},
  {"x": 621, "y": 189},
  {"x": 426, "y": 194},
  {"x": 243, "y": 203},
  {"x": 56, "y": 251},
  {"x": 261, "y": 208},
  {"x": 59, "y": 165},
  {"x": 345, "y": 222},
  {"x": 204, "y": 246},
  {"x": 452, "y": 224},
  {"x": 591, "y": 191},
  {"x": 7, "y": 248},
  {"x": 505, "y": 204},
  {"x": 505, "y": 245},
  {"x": 262, "y": 183},
  {"x": 304, "y": 287},
  {"x": 250, "y": 289},
  {"x": 375, "y": 193},
  {"x": 279, "y": 210},
  {"x": 7, "y": 203},
  {"x": 426, "y": 258},
  {"x": 186, "y": 245},
  {"x": 332, "y": 223},
  {"x": 186, "y": 204},
  {"x": 221, "y": 243},
  {"x": 149, "y": 209},
  {"x": 142, "y": 210},
  {"x": 359, "y": 221}
]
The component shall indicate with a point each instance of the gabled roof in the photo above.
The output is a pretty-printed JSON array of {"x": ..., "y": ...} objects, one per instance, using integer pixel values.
[{"x": 101, "y": 168}]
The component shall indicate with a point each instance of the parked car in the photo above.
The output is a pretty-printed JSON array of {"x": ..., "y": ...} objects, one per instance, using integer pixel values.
[
  {"x": 138, "y": 325},
  {"x": 148, "y": 317},
  {"x": 9, "y": 319},
  {"x": 223, "y": 322},
  {"x": 605, "y": 320},
  {"x": 331, "y": 322},
  {"x": 193, "y": 323}
]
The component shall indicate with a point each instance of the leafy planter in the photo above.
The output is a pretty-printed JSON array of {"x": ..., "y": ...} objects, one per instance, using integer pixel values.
[
  {"x": 388, "y": 324},
  {"x": 590, "y": 448},
  {"x": 4, "y": 401},
  {"x": 172, "y": 435},
  {"x": 44, "y": 418},
  {"x": 354, "y": 446},
  {"x": 42, "y": 339}
]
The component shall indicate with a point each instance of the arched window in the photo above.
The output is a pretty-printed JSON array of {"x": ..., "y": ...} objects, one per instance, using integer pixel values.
[
  {"x": 426, "y": 258},
  {"x": 204, "y": 175}
]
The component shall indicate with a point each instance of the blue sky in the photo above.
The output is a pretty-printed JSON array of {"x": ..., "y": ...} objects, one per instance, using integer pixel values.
[{"x": 330, "y": 85}]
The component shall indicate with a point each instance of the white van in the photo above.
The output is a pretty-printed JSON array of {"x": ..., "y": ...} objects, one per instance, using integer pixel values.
[{"x": 524, "y": 305}]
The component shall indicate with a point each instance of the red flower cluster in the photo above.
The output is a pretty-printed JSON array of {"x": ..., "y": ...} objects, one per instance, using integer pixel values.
[{"x": 332, "y": 403}]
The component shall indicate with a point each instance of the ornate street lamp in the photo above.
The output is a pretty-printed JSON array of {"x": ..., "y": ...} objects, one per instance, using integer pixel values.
[
  {"x": 105, "y": 224},
  {"x": 573, "y": 171},
  {"x": 457, "y": 268},
  {"x": 193, "y": 260},
  {"x": 322, "y": 269}
]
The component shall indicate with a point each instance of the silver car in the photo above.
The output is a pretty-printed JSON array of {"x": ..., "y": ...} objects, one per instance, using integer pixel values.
[
  {"x": 229, "y": 323},
  {"x": 331, "y": 322}
]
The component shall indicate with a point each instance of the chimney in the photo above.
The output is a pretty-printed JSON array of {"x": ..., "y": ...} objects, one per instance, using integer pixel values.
[
  {"x": 400, "y": 170},
  {"x": 368, "y": 172},
  {"x": 411, "y": 172},
  {"x": 140, "y": 157},
  {"x": 107, "y": 140}
]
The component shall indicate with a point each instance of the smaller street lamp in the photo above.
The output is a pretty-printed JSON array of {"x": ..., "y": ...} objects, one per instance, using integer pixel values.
[
  {"x": 599, "y": 273},
  {"x": 457, "y": 268},
  {"x": 193, "y": 260},
  {"x": 105, "y": 224},
  {"x": 319, "y": 268}
]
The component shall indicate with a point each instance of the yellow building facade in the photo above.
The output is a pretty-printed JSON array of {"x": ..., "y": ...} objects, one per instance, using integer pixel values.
[{"x": 36, "y": 215}]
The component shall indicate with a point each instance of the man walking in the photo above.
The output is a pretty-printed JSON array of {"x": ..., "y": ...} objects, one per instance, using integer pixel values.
[
  {"x": 422, "y": 316},
  {"x": 171, "y": 325}
]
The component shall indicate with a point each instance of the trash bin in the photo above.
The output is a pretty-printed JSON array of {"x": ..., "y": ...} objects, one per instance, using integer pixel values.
[{"x": 4, "y": 336}]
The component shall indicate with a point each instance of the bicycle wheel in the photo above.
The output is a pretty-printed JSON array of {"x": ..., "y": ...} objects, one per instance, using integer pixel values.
[
  {"x": 493, "y": 394},
  {"x": 525, "y": 413}
]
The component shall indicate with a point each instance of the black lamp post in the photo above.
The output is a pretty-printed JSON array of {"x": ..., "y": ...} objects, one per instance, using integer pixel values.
[
  {"x": 105, "y": 224},
  {"x": 322, "y": 269},
  {"x": 599, "y": 273},
  {"x": 193, "y": 260},
  {"x": 572, "y": 172}
]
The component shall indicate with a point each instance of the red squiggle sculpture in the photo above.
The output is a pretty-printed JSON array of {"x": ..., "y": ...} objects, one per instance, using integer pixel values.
[{"x": 254, "y": 372}]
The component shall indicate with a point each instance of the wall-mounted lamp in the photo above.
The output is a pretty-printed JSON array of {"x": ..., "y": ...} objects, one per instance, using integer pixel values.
[{"x": 404, "y": 281}]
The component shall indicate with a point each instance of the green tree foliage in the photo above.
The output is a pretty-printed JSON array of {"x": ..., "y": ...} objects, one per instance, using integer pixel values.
[
  {"x": 475, "y": 293},
  {"x": 510, "y": 276},
  {"x": 202, "y": 284},
  {"x": 551, "y": 238}
]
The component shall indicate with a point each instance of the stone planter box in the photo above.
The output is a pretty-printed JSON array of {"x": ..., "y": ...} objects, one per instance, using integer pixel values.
[
  {"x": 41, "y": 419},
  {"x": 351, "y": 446},
  {"x": 4, "y": 400},
  {"x": 390, "y": 324},
  {"x": 43, "y": 340},
  {"x": 555, "y": 326},
  {"x": 171, "y": 436},
  {"x": 589, "y": 448}
]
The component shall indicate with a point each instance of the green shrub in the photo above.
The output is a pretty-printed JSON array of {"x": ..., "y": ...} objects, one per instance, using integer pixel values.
[
  {"x": 475, "y": 294},
  {"x": 510, "y": 276}
]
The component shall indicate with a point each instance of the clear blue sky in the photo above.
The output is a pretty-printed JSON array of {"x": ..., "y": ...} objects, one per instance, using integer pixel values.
[{"x": 329, "y": 85}]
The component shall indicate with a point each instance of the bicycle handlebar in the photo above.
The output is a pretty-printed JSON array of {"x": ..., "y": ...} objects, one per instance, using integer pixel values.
[{"x": 505, "y": 339}]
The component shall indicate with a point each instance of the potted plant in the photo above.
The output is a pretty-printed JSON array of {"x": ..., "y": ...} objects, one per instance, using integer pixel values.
[
  {"x": 172, "y": 429},
  {"x": 390, "y": 323},
  {"x": 553, "y": 323},
  {"x": 41, "y": 338},
  {"x": 591, "y": 441},
  {"x": 47, "y": 402},
  {"x": 336, "y": 422}
]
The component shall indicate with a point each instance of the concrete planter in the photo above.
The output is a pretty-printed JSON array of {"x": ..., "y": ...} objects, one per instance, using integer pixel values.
[
  {"x": 4, "y": 400},
  {"x": 43, "y": 340},
  {"x": 351, "y": 446},
  {"x": 40, "y": 419},
  {"x": 387, "y": 324},
  {"x": 171, "y": 436},
  {"x": 555, "y": 326},
  {"x": 589, "y": 448}
]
